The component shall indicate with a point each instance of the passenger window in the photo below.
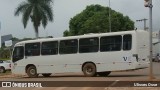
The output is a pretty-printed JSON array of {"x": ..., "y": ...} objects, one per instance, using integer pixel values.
[
  {"x": 127, "y": 42},
  {"x": 110, "y": 43},
  {"x": 68, "y": 46},
  {"x": 49, "y": 48},
  {"x": 87, "y": 45},
  {"x": 18, "y": 53},
  {"x": 32, "y": 49}
]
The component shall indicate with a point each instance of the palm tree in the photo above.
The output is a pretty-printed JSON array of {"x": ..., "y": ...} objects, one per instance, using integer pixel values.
[{"x": 39, "y": 11}]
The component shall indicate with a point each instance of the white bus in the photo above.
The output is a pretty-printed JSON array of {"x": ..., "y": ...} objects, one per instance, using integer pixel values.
[{"x": 92, "y": 54}]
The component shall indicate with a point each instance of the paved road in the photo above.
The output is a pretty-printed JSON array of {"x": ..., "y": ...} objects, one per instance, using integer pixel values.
[{"x": 115, "y": 77}]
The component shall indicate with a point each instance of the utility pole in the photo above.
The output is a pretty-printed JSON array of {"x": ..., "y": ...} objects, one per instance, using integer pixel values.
[
  {"x": 148, "y": 3},
  {"x": 159, "y": 36},
  {"x": 110, "y": 30},
  {"x": 143, "y": 20}
]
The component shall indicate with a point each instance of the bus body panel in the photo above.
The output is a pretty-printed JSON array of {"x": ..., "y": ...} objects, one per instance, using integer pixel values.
[
  {"x": 66, "y": 63},
  {"x": 142, "y": 49}
]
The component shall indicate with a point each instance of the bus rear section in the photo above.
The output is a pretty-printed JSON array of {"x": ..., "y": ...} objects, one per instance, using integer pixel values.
[{"x": 142, "y": 50}]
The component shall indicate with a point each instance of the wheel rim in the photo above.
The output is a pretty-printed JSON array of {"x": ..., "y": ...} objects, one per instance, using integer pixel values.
[
  {"x": 32, "y": 71},
  {"x": 89, "y": 70},
  {"x": 1, "y": 70}
]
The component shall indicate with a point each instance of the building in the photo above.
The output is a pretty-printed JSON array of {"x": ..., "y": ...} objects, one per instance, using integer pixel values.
[{"x": 5, "y": 38}]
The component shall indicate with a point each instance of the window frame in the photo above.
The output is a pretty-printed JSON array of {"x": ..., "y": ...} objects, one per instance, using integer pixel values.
[
  {"x": 93, "y": 46},
  {"x": 39, "y": 51},
  {"x": 130, "y": 44},
  {"x": 57, "y": 48},
  {"x": 15, "y": 59},
  {"x": 75, "y": 46},
  {"x": 121, "y": 43}
]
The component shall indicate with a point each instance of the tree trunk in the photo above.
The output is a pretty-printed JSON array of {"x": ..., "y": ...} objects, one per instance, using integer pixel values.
[
  {"x": 36, "y": 31},
  {"x": 37, "y": 35}
]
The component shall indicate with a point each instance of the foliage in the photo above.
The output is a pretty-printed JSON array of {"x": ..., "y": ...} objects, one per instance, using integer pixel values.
[
  {"x": 39, "y": 11},
  {"x": 14, "y": 39},
  {"x": 95, "y": 19},
  {"x": 5, "y": 54}
]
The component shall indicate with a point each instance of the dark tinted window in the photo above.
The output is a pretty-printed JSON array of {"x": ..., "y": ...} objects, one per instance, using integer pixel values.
[
  {"x": 18, "y": 53},
  {"x": 68, "y": 46},
  {"x": 127, "y": 42},
  {"x": 111, "y": 43},
  {"x": 32, "y": 49},
  {"x": 49, "y": 48},
  {"x": 88, "y": 45}
]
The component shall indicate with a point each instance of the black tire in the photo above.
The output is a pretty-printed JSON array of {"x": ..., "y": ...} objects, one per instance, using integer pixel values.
[
  {"x": 2, "y": 70},
  {"x": 89, "y": 70},
  {"x": 47, "y": 74},
  {"x": 32, "y": 72},
  {"x": 104, "y": 74}
]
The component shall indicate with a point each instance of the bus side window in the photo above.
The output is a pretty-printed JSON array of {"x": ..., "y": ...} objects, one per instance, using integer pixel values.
[
  {"x": 49, "y": 48},
  {"x": 18, "y": 53},
  {"x": 32, "y": 49},
  {"x": 87, "y": 45},
  {"x": 127, "y": 42},
  {"x": 110, "y": 43},
  {"x": 68, "y": 46}
]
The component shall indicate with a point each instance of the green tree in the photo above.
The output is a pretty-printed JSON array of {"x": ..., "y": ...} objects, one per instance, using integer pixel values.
[
  {"x": 39, "y": 11},
  {"x": 95, "y": 19},
  {"x": 15, "y": 39}
]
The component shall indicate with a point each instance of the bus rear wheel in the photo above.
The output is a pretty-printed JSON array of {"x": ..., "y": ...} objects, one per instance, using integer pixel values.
[
  {"x": 2, "y": 70},
  {"x": 104, "y": 73},
  {"x": 46, "y": 74},
  {"x": 89, "y": 70},
  {"x": 32, "y": 72}
]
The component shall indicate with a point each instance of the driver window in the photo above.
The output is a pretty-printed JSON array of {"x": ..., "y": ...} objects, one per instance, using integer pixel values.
[{"x": 18, "y": 53}]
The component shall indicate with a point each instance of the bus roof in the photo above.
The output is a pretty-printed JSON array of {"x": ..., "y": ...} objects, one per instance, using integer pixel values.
[{"x": 81, "y": 36}]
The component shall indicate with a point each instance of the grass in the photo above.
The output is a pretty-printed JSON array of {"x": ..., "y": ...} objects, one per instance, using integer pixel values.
[
  {"x": 6, "y": 73},
  {"x": 5, "y": 59}
]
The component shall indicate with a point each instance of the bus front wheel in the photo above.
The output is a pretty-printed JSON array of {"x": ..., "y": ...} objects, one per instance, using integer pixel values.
[
  {"x": 32, "y": 72},
  {"x": 89, "y": 70},
  {"x": 2, "y": 70}
]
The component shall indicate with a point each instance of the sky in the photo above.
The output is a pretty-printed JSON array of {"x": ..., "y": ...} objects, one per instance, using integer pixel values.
[{"x": 64, "y": 10}]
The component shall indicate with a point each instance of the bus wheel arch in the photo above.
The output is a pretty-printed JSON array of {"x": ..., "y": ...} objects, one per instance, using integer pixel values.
[
  {"x": 89, "y": 69},
  {"x": 31, "y": 71},
  {"x": 2, "y": 69}
]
